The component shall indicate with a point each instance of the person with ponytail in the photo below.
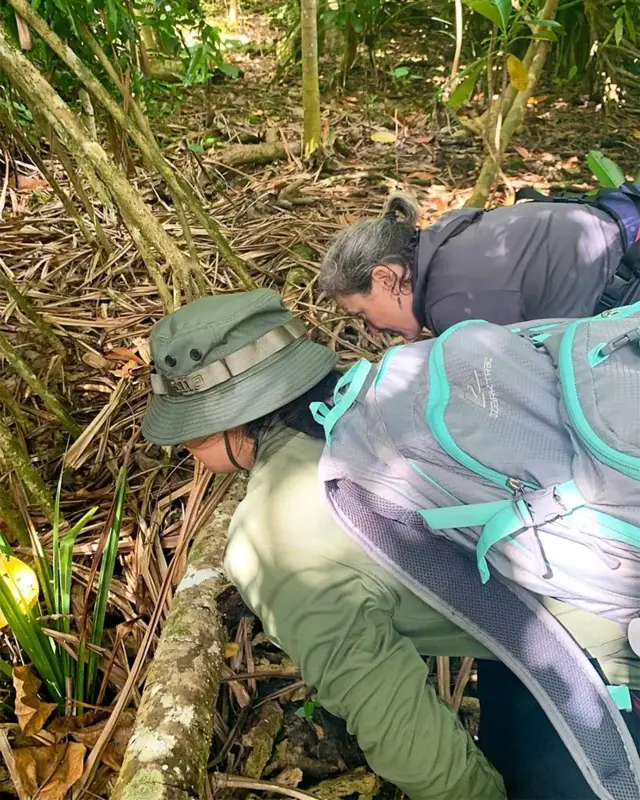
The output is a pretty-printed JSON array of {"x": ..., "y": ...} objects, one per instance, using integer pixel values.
[{"x": 535, "y": 260}]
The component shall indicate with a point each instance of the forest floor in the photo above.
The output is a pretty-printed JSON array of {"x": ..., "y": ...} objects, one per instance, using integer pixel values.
[{"x": 387, "y": 134}]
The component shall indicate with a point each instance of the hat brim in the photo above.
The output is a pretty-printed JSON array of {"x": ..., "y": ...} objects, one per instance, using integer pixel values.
[{"x": 270, "y": 385}]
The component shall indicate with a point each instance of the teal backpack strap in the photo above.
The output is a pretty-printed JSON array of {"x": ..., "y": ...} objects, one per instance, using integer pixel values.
[
  {"x": 528, "y": 511},
  {"x": 345, "y": 394},
  {"x": 504, "y": 518}
]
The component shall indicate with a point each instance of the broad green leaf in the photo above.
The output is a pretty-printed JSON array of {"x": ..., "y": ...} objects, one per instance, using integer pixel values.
[
  {"x": 196, "y": 147},
  {"x": 487, "y": 9},
  {"x": 504, "y": 10},
  {"x": 518, "y": 73},
  {"x": 572, "y": 73},
  {"x": 618, "y": 31},
  {"x": 607, "y": 172},
  {"x": 229, "y": 69},
  {"x": 547, "y": 36},
  {"x": 400, "y": 72},
  {"x": 463, "y": 91}
]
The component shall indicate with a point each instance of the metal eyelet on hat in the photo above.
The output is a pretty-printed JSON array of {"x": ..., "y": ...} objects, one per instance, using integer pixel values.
[
  {"x": 170, "y": 361},
  {"x": 196, "y": 355}
]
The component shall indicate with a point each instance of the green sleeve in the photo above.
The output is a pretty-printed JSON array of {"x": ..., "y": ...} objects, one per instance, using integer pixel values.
[{"x": 337, "y": 625}]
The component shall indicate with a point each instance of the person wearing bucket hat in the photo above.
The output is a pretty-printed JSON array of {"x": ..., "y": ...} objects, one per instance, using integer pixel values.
[{"x": 233, "y": 377}]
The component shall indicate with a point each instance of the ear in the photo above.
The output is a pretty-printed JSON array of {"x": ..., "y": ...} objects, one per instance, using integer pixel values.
[{"x": 385, "y": 276}]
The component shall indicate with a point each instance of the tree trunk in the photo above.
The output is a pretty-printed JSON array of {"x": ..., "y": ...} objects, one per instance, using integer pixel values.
[
  {"x": 33, "y": 85},
  {"x": 310, "y": 83},
  {"x": 139, "y": 132},
  {"x": 168, "y": 751}
]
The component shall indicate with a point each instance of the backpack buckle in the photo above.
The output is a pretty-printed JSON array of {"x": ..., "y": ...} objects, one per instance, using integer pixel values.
[{"x": 540, "y": 507}]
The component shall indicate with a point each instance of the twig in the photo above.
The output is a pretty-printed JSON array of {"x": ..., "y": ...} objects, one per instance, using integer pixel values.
[
  {"x": 444, "y": 678},
  {"x": 221, "y": 780},
  {"x": 461, "y": 682}
]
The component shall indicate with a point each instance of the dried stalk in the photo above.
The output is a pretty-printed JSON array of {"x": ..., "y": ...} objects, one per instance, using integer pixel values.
[
  {"x": 26, "y": 307},
  {"x": 64, "y": 198},
  {"x": 24, "y": 371}
]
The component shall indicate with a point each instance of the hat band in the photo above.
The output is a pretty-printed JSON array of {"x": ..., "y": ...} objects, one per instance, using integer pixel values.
[{"x": 234, "y": 364}]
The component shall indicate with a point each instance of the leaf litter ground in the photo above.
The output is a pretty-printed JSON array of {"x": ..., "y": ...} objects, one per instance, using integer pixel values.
[{"x": 280, "y": 215}]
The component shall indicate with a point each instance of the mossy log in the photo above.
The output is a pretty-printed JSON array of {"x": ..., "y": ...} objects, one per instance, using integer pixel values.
[{"x": 168, "y": 752}]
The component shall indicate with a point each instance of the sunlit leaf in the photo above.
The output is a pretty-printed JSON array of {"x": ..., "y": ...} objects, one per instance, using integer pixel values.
[
  {"x": 618, "y": 31},
  {"x": 383, "y": 137},
  {"x": 31, "y": 712},
  {"x": 231, "y": 649},
  {"x": 518, "y": 73},
  {"x": 607, "y": 172},
  {"x": 572, "y": 73}
]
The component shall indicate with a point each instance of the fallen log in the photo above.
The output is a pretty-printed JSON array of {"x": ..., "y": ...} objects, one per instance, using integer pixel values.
[
  {"x": 238, "y": 155},
  {"x": 167, "y": 755}
]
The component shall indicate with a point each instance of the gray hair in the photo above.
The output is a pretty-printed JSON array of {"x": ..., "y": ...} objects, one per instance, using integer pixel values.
[{"x": 349, "y": 262}]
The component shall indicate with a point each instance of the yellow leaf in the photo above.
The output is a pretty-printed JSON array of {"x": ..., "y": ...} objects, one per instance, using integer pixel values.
[
  {"x": 383, "y": 137},
  {"x": 635, "y": 133},
  {"x": 21, "y": 581},
  {"x": 231, "y": 650},
  {"x": 518, "y": 73},
  {"x": 31, "y": 712},
  {"x": 49, "y": 772}
]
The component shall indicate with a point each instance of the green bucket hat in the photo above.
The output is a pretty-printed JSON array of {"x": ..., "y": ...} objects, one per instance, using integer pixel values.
[{"x": 222, "y": 361}]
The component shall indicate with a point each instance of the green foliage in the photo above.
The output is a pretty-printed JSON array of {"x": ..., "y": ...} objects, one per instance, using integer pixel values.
[
  {"x": 607, "y": 172},
  {"x": 306, "y": 711},
  {"x": 56, "y": 667}
]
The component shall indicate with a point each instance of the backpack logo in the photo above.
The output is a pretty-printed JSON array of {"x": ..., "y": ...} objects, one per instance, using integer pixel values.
[{"x": 480, "y": 390}]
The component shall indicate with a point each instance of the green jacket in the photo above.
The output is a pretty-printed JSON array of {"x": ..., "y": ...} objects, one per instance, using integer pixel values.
[{"x": 359, "y": 635}]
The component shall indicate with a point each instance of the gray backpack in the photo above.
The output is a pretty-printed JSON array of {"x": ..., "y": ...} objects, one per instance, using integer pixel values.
[{"x": 520, "y": 447}]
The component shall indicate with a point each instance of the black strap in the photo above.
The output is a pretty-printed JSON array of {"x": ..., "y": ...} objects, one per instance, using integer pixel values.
[{"x": 230, "y": 456}]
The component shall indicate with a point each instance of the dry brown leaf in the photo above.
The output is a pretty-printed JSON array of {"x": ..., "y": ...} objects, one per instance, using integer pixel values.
[
  {"x": 422, "y": 176},
  {"x": 124, "y": 354},
  {"x": 290, "y": 777},
  {"x": 95, "y": 360},
  {"x": 31, "y": 712},
  {"x": 50, "y": 772},
  {"x": 521, "y": 151},
  {"x": 27, "y": 184},
  {"x": 127, "y": 371}
]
